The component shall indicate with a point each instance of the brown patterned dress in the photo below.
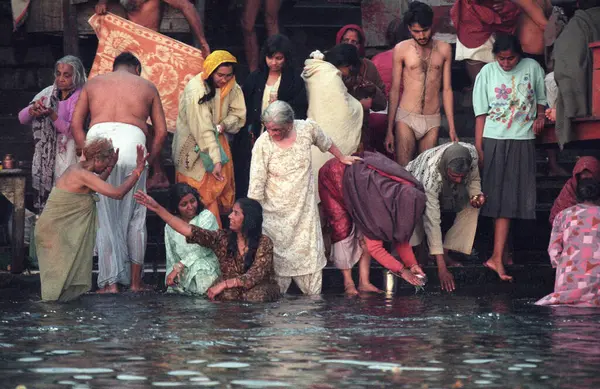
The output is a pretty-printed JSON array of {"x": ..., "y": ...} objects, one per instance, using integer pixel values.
[{"x": 258, "y": 282}]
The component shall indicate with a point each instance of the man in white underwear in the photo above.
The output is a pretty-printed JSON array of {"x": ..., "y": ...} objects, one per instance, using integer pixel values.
[
  {"x": 424, "y": 66},
  {"x": 119, "y": 104}
]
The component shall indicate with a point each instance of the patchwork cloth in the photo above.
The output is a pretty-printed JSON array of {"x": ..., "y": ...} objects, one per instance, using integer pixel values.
[{"x": 166, "y": 62}]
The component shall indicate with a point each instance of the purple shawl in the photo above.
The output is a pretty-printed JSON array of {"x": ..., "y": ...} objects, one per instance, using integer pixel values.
[{"x": 382, "y": 207}]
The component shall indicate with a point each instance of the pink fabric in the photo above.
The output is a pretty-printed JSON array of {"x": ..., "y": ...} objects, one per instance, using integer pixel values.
[
  {"x": 342, "y": 31},
  {"x": 380, "y": 254},
  {"x": 575, "y": 253},
  {"x": 65, "y": 114},
  {"x": 384, "y": 63}
]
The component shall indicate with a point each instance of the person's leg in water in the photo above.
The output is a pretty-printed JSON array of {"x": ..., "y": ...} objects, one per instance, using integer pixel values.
[
  {"x": 159, "y": 179},
  {"x": 364, "y": 272},
  {"x": 349, "y": 287},
  {"x": 501, "y": 227},
  {"x": 405, "y": 143}
]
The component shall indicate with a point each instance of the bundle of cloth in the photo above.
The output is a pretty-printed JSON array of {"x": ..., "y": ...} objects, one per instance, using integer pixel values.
[
  {"x": 329, "y": 104},
  {"x": 396, "y": 202}
]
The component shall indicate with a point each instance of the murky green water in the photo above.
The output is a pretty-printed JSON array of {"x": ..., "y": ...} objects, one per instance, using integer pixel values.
[{"x": 433, "y": 341}]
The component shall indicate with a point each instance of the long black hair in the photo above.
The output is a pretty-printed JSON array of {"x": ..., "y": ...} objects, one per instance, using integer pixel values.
[
  {"x": 251, "y": 229},
  {"x": 179, "y": 191},
  {"x": 277, "y": 43},
  {"x": 588, "y": 190},
  {"x": 505, "y": 42},
  {"x": 212, "y": 88},
  {"x": 344, "y": 55}
]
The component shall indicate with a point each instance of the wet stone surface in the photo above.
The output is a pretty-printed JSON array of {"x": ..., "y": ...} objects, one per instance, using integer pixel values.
[{"x": 423, "y": 341}]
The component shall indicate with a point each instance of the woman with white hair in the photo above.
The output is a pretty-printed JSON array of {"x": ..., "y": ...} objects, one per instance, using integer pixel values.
[
  {"x": 281, "y": 179},
  {"x": 49, "y": 115}
]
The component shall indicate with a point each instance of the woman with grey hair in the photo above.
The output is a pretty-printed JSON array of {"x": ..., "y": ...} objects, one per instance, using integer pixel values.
[
  {"x": 49, "y": 115},
  {"x": 281, "y": 179}
]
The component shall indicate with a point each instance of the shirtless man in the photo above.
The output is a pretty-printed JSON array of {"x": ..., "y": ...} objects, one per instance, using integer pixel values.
[
  {"x": 148, "y": 13},
  {"x": 119, "y": 104},
  {"x": 424, "y": 65}
]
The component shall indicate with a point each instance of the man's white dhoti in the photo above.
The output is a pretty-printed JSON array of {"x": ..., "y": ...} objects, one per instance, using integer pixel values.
[
  {"x": 482, "y": 53},
  {"x": 122, "y": 223}
]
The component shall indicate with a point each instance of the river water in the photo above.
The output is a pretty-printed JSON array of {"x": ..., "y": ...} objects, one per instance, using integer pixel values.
[{"x": 421, "y": 341}]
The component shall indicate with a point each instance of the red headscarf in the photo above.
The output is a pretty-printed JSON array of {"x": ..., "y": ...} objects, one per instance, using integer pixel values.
[
  {"x": 475, "y": 21},
  {"x": 568, "y": 195},
  {"x": 342, "y": 32}
]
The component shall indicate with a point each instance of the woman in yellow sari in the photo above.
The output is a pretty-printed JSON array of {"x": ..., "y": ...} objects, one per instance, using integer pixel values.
[{"x": 210, "y": 108}]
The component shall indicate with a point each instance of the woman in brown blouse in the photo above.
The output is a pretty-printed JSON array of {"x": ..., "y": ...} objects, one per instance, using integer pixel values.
[{"x": 245, "y": 254}]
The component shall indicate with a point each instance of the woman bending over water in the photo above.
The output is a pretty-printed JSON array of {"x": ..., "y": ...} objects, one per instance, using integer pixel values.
[
  {"x": 190, "y": 269},
  {"x": 245, "y": 254},
  {"x": 65, "y": 233}
]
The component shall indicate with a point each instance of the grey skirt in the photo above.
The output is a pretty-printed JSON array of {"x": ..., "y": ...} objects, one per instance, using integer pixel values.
[{"x": 508, "y": 178}]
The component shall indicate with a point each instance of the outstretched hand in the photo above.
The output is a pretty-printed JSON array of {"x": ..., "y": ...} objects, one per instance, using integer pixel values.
[
  {"x": 142, "y": 156},
  {"x": 147, "y": 201},
  {"x": 350, "y": 159}
]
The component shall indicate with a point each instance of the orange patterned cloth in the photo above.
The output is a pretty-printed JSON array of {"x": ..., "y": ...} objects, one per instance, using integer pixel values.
[{"x": 168, "y": 63}]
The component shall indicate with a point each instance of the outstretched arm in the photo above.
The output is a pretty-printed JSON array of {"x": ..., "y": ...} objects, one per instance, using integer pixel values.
[
  {"x": 195, "y": 21},
  {"x": 82, "y": 109},
  {"x": 176, "y": 223},
  {"x": 159, "y": 123},
  {"x": 447, "y": 94}
]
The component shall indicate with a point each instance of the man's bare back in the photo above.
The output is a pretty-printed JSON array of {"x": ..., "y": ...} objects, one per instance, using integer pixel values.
[
  {"x": 422, "y": 74},
  {"x": 121, "y": 97}
]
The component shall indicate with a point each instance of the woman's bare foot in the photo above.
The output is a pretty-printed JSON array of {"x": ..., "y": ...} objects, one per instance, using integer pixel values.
[
  {"x": 140, "y": 287},
  {"x": 109, "y": 289},
  {"x": 491, "y": 264},
  {"x": 158, "y": 181},
  {"x": 350, "y": 289},
  {"x": 369, "y": 288}
]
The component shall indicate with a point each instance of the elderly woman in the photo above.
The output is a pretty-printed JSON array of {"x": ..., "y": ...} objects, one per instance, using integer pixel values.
[
  {"x": 65, "y": 233},
  {"x": 574, "y": 250},
  {"x": 211, "y": 106},
  {"x": 281, "y": 179},
  {"x": 509, "y": 101},
  {"x": 245, "y": 255},
  {"x": 50, "y": 115},
  {"x": 275, "y": 79},
  {"x": 335, "y": 110},
  {"x": 190, "y": 269}
]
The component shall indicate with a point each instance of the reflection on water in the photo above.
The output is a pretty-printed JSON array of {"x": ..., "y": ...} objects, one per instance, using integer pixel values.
[{"x": 431, "y": 341}]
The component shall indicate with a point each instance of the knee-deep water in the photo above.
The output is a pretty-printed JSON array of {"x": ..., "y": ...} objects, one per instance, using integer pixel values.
[{"x": 422, "y": 341}]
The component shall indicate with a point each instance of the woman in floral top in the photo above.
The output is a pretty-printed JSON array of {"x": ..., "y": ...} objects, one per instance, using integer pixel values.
[
  {"x": 245, "y": 255},
  {"x": 509, "y": 101}
]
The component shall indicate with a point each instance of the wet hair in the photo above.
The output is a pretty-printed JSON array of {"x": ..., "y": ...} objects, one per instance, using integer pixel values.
[
  {"x": 212, "y": 88},
  {"x": 100, "y": 148},
  {"x": 179, "y": 191},
  {"x": 505, "y": 42},
  {"x": 278, "y": 112},
  {"x": 419, "y": 13},
  {"x": 588, "y": 190},
  {"x": 396, "y": 32},
  {"x": 358, "y": 33},
  {"x": 343, "y": 55},
  {"x": 251, "y": 229},
  {"x": 127, "y": 59},
  {"x": 277, "y": 43},
  {"x": 79, "y": 77}
]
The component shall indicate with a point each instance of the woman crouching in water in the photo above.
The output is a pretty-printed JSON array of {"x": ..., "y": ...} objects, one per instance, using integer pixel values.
[
  {"x": 245, "y": 255},
  {"x": 65, "y": 234}
]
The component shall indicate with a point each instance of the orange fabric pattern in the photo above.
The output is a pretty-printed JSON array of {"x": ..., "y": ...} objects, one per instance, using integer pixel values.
[{"x": 166, "y": 62}]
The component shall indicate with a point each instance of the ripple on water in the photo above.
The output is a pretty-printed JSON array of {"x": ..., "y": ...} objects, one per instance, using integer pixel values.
[
  {"x": 483, "y": 382},
  {"x": 130, "y": 377},
  {"x": 167, "y": 384},
  {"x": 71, "y": 370},
  {"x": 135, "y": 358},
  {"x": 30, "y": 359},
  {"x": 525, "y": 365},
  {"x": 229, "y": 365},
  {"x": 183, "y": 373},
  {"x": 260, "y": 383},
  {"x": 199, "y": 379},
  {"x": 196, "y": 361},
  {"x": 478, "y": 361},
  {"x": 67, "y": 383},
  {"x": 83, "y": 377},
  {"x": 65, "y": 352}
]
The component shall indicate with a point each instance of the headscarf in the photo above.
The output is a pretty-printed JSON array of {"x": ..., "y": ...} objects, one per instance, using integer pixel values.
[
  {"x": 454, "y": 196},
  {"x": 212, "y": 63},
  {"x": 568, "y": 195},
  {"x": 361, "y": 33}
]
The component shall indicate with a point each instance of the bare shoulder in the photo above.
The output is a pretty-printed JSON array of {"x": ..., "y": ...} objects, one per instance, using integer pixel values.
[
  {"x": 402, "y": 47},
  {"x": 444, "y": 48}
]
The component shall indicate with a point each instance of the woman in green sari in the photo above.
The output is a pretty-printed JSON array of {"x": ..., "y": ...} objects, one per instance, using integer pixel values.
[{"x": 191, "y": 269}]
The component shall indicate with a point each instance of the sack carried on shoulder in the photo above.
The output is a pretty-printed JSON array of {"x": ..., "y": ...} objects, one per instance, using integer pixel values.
[{"x": 207, "y": 161}]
